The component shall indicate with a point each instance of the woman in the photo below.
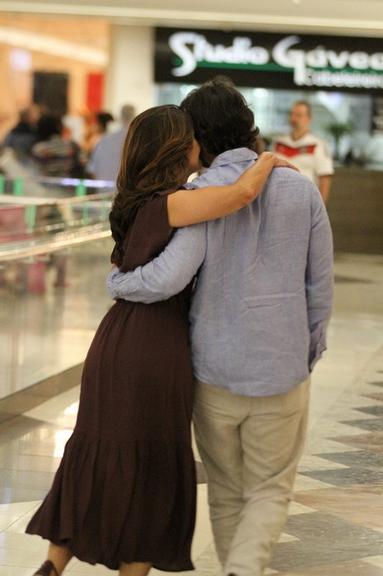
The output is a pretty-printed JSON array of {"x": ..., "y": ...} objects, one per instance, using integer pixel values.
[{"x": 124, "y": 495}]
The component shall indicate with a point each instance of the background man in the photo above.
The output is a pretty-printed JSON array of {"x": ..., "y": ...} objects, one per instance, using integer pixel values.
[
  {"x": 105, "y": 159},
  {"x": 308, "y": 152}
]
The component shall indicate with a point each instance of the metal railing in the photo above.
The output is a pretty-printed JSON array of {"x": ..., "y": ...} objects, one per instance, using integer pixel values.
[
  {"x": 27, "y": 249},
  {"x": 63, "y": 214}
]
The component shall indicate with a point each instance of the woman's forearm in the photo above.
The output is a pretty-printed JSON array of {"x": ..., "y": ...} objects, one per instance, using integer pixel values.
[{"x": 187, "y": 207}]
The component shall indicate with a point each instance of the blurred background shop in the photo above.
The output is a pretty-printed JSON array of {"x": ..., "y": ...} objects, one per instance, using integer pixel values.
[{"x": 86, "y": 66}]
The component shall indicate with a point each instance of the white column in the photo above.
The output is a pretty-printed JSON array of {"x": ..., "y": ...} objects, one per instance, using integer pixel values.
[{"x": 130, "y": 74}]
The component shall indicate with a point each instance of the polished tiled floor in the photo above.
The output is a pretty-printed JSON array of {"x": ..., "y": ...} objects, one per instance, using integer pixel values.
[
  {"x": 336, "y": 521},
  {"x": 57, "y": 325}
]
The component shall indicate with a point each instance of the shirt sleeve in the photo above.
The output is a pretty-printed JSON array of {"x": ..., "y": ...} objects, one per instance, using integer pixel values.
[
  {"x": 319, "y": 278},
  {"x": 166, "y": 275},
  {"x": 323, "y": 160}
]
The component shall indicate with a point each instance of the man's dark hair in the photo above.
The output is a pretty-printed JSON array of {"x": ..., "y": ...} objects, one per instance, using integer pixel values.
[{"x": 221, "y": 118}]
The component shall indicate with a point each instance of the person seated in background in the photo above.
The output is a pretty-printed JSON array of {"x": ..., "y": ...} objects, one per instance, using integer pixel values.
[
  {"x": 105, "y": 160},
  {"x": 53, "y": 154},
  {"x": 23, "y": 136}
]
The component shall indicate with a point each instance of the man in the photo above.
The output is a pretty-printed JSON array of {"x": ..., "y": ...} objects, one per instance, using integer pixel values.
[
  {"x": 105, "y": 160},
  {"x": 258, "y": 323},
  {"x": 54, "y": 155},
  {"x": 24, "y": 135},
  {"x": 308, "y": 152}
]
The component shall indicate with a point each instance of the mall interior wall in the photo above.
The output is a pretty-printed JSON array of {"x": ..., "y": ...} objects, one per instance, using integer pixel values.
[{"x": 129, "y": 74}]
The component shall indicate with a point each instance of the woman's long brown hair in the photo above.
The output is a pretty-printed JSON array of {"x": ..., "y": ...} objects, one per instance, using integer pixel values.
[{"x": 154, "y": 159}]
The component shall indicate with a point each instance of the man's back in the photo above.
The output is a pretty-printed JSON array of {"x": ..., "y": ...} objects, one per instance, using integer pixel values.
[
  {"x": 263, "y": 297},
  {"x": 253, "y": 329}
]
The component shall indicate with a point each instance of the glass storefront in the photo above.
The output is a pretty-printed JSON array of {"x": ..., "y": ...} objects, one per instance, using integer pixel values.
[
  {"x": 54, "y": 257},
  {"x": 341, "y": 77},
  {"x": 271, "y": 108}
]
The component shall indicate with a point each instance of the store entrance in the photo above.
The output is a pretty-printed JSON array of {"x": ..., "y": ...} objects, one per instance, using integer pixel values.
[{"x": 50, "y": 90}]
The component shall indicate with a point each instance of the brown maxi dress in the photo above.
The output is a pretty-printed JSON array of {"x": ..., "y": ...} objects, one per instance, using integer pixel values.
[{"x": 125, "y": 490}]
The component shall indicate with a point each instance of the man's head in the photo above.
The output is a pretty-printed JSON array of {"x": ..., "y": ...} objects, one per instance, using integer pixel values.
[
  {"x": 221, "y": 118},
  {"x": 128, "y": 112},
  {"x": 300, "y": 117}
]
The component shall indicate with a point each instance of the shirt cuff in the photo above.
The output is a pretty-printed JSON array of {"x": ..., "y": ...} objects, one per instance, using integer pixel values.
[
  {"x": 317, "y": 345},
  {"x": 110, "y": 286}
]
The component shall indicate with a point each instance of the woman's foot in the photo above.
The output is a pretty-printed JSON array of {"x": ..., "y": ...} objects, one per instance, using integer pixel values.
[{"x": 47, "y": 569}]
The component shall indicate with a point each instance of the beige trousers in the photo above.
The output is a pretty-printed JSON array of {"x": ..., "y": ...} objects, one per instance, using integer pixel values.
[{"x": 250, "y": 448}]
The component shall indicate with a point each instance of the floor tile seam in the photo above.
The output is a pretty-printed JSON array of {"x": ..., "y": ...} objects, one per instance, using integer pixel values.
[{"x": 27, "y": 514}]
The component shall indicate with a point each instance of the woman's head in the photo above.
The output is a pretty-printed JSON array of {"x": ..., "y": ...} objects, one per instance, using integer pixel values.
[{"x": 158, "y": 155}]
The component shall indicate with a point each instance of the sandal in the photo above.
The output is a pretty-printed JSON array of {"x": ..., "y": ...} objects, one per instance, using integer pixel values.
[{"x": 46, "y": 569}]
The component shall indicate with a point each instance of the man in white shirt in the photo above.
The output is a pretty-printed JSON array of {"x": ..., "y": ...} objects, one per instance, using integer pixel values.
[
  {"x": 308, "y": 152},
  {"x": 105, "y": 160}
]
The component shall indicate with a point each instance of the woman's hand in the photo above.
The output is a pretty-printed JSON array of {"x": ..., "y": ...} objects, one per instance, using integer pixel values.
[
  {"x": 282, "y": 163},
  {"x": 254, "y": 178},
  {"x": 186, "y": 207},
  {"x": 275, "y": 160}
]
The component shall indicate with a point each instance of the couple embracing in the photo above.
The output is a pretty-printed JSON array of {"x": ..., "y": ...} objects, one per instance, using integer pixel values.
[{"x": 223, "y": 292}]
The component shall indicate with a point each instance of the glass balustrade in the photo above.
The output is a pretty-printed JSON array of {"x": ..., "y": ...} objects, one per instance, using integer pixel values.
[{"x": 55, "y": 250}]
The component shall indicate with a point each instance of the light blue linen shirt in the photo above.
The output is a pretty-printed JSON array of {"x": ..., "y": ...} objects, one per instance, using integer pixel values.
[{"x": 264, "y": 291}]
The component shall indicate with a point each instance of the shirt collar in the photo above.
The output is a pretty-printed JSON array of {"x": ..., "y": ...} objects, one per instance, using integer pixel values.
[{"x": 233, "y": 156}]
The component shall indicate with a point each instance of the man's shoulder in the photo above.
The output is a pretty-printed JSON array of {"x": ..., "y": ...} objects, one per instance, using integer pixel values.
[
  {"x": 315, "y": 138},
  {"x": 287, "y": 180},
  {"x": 220, "y": 174},
  {"x": 281, "y": 138},
  {"x": 287, "y": 176},
  {"x": 292, "y": 196},
  {"x": 204, "y": 179},
  {"x": 310, "y": 139}
]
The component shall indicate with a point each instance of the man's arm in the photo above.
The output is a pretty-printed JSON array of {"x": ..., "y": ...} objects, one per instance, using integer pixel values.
[
  {"x": 324, "y": 185},
  {"x": 319, "y": 278},
  {"x": 324, "y": 169},
  {"x": 91, "y": 165},
  {"x": 166, "y": 275}
]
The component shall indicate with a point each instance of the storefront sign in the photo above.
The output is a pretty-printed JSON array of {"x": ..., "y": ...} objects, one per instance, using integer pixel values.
[{"x": 270, "y": 60}]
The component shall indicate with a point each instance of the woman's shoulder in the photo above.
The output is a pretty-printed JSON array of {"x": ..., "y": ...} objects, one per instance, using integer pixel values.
[
  {"x": 149, "y": 233},
  {"x": 154, "y": 211}
]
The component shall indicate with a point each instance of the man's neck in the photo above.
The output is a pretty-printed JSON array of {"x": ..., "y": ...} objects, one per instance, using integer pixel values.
[{"x": 298, "y": 134}]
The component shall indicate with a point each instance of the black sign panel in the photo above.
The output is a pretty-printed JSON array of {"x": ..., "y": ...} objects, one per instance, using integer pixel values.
[{"x": 266, "y": 60}]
